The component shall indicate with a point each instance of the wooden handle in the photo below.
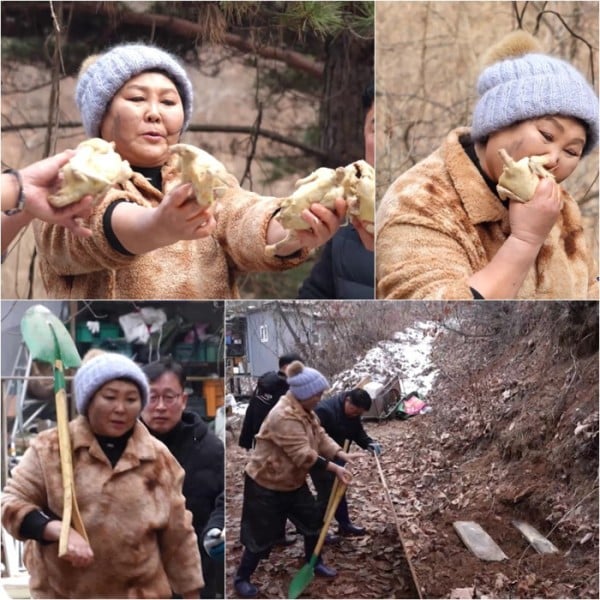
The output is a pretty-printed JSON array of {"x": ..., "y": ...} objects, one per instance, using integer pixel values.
[
  {"x": 339, "y": 492},
  {"x": 66, "y": 468},
  {"x": 391, "y": 503},
  {"x": 336, "y": 482},
  {"x": 70, "y": 507}
]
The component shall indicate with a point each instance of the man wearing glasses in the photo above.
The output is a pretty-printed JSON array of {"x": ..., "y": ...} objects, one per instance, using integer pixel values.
[{"x": 201, "y": 454}]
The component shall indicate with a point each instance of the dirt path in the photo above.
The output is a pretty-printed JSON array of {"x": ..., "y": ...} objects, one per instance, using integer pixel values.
[{"x": 430, "y": 489}]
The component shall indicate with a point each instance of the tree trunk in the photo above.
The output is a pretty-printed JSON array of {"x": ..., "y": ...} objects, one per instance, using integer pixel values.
[{"x": 349, "y": 68}]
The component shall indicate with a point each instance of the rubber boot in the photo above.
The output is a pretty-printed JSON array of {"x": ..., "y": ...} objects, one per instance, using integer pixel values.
[
  {"x": 321, "y": 569},
  {"x": 242, "y": 584}
]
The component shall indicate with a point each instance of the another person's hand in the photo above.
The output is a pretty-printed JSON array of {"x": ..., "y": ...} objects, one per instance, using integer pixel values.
[
  {"x": 40, "y": 179},
  {"x": 367, "y": 239},
  {"x": 323, "y": 222},
  {"x": 179, "y": 217},
  {"x": 374, "y": 448},
  {"x": 214, "y": 544},
  {"x": 349, "y": 457},
  {"x": 532, "y": 221}
]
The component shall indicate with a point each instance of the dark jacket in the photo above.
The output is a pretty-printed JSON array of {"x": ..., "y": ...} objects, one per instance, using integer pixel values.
[
  {"x": 337, "y": 425},
  {"x": 269, "y": 388},
  {"x": 345, "y": 270},
  {"x": 201, "y": 454}
]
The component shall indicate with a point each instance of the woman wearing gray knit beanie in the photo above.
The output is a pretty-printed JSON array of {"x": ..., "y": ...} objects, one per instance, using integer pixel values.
[
  {"x": 289, "y": 443},
  {"x": 449, "y": 229},
  {"x": 128, "y": 490},
  {"x": 151, "y": 238}
]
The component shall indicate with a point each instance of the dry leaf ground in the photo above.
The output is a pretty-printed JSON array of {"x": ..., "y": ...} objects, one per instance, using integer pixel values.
[{"x": 514, "y": 438}]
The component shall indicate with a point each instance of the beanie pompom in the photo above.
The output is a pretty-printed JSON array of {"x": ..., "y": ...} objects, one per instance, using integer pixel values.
[
  {"x": 295, "y": 368},
  {"x": 87, "y": 63},
  {"x": 305, "y": 382},
  {"x": 515, "y": 44}
]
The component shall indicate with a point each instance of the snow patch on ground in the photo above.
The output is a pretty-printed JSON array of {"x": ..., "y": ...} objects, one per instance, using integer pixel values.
[{"x": 406, "y": 356}]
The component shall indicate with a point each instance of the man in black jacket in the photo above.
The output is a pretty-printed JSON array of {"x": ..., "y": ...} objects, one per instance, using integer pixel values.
[
  {"x": 340, "y": 417},
  {"x": 201, "y": 454},
  {"x": 269, "y": 388}
]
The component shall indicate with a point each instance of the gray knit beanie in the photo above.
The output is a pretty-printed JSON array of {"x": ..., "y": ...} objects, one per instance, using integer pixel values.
[
  {"x": 305, "y": 382},
  {"x": 101, "y": 77},
  {"x": 101, "y": 369},
  {"x": 526, "y": 84}
]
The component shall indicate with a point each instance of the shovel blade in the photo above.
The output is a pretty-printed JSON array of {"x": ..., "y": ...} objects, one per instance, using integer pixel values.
[
  {"x": 47, "y": 338},
  {"x": 302, "y": 579}
]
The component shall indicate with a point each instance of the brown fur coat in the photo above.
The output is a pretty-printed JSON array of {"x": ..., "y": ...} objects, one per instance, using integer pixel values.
[
  {"x": 439, "y": 223},
  {"x": 142, "y": 537},
  {"x": 287, "y": 446},
  {"x": 74, "y": 267}
]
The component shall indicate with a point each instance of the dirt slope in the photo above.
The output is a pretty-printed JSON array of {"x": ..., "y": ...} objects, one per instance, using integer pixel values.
[{"x": 513, "y": 434}]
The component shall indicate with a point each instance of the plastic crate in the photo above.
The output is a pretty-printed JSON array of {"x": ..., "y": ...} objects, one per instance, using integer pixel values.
[{"x": 107, "y": 331}]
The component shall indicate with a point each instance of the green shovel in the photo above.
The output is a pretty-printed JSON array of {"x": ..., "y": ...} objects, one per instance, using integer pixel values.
[
  {"x": 307, "y": 573},
  {"x": 48, "y": 340}
]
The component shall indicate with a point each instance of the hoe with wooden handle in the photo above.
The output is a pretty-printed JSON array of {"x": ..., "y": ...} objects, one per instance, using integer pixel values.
[{"x": 48, "y": 340}]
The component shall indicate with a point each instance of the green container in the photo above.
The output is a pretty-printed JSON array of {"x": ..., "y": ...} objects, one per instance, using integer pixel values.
[
  {"x": 183, "y": 352},
  {"x": 212, "y": 351},
  {"x": 107, "y": 331}
]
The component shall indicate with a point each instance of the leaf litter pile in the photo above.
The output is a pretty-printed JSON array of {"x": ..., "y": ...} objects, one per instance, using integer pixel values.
[{"x": 513, "y": 434}]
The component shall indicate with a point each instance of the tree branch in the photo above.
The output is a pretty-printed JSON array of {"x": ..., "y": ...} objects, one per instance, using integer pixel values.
[
  {"x": 188, "y": 29},
  {"x": 216, "y": 128}
]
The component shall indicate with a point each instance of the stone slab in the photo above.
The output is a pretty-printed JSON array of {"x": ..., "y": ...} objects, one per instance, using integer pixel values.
[
  {"x": 540, "y": 543},
  {"x": 477, "y": 540}
]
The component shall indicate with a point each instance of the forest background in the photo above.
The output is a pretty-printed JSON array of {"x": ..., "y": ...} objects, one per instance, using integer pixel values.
[{"x": 278, "y": 92}]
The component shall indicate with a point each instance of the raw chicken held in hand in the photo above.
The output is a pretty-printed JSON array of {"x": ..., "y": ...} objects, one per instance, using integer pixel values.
[
  {"x": 359, "y": 189},
  {"x": 519, "y": 179},
  {"x": 354, "y": 183},
  {"x": 202, "y": 170},
  {"x": 93, "y": 170}
]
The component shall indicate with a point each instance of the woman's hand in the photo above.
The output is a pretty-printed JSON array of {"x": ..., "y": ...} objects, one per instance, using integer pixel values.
[
  {"x": 180, "y": 217},
  {"x": 79, "y": 552},
  {"x": 530, "y": 225},
  {"x": 323, "y": 222},
  {"x": 532, "y": 221},
  {"x": 177, "y": 217},
  {"x": 323, "y": 225}
]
